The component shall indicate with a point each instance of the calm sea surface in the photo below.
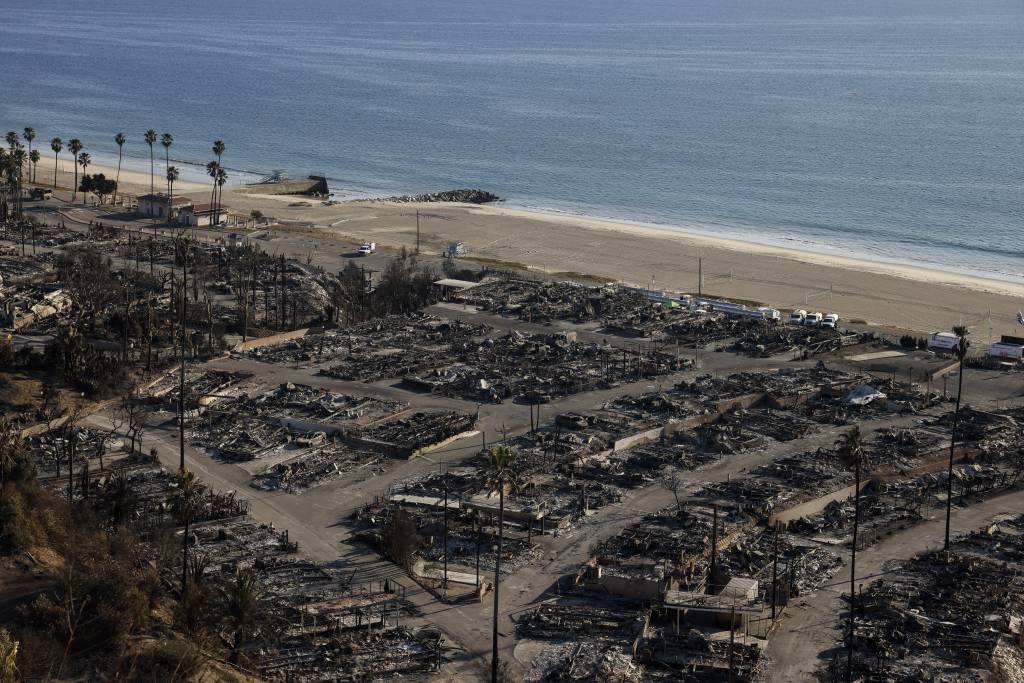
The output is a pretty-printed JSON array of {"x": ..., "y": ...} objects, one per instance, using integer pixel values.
[{"x": 885, "y": 128}]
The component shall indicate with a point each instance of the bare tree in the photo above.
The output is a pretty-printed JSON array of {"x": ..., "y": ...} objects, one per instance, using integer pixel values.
[{"x": 671, "y": 482}]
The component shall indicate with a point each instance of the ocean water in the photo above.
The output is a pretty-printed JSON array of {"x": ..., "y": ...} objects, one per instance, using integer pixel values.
[{"x": 891, "y": 129}]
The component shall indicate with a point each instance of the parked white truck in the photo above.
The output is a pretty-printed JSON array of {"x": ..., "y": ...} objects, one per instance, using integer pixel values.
[
  {"x": 797, "y": 317},
  {"x": 367, "y": 248}
]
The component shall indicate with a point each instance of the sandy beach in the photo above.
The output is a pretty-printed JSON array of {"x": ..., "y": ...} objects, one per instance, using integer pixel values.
[
  {"x": 884, "y": 294},
  {"x": 893, "y": 295},
  {"x": 132, "y": 181}
]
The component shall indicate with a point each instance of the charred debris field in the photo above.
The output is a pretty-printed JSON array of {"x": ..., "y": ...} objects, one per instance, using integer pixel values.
[{"x": 702, "y": 471}]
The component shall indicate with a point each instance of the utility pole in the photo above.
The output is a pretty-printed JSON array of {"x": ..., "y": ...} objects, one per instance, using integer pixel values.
[
  {"x": 444, "y": 474},
  {"x": 700, "y": 276},
  {"x": 417, "y": 233},
  {"x": 479, "y": 532},
  {"x": 181, "y": 384},
  {"x": 775, "y": 569},
  {"x": 713, "y": 570},
  {"x": 732, "y": 640}
]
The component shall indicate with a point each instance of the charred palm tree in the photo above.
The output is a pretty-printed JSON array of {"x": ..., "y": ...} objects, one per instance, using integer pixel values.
[
  {"x": 850, "y": 449},
  {"x": 499, "y": 475},
  {"x": 243, "y": 606},
  {"x": 185, "y": 501}
]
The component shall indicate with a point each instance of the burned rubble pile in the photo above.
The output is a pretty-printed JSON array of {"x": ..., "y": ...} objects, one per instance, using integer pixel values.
[
  {"x": 318, "y": 622},
  {"x": 754, "y": 496},
  {"x": 202, "y": 388},
  {"x": 472, "y": 533},
  {"x": 382, "y": 348},
  {"x": 674, "y": 543},
  {"x": 595, "y": 660},
  {"x": 586, "y": 642},
  {"x": 945, "y": 617},
  {"x": 539, "y": 301},
  {"x": 700, "y": 328},
  {"x": 409, "y": 433},
  {"x": 810, "y": 473},
  {"x": 786, "y": 383},
  {"x": 801, "y": 568},
  {"x": 706, "y": 660},
  {"x": 315, "y": 405},
  {"x": 539, "y": 367},
  {"x": 285, "y": 458},
  {"x": 884, "y": 508}
]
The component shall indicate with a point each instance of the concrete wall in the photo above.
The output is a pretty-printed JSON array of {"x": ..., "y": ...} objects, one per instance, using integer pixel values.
[
  {"x": 273, "y": 339},
  {"x": 637, "y": 439},
  {"x": 813, "y": 506}
]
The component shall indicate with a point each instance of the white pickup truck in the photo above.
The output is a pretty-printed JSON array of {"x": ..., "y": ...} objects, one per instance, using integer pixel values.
[{"x": 367, "y": 248}]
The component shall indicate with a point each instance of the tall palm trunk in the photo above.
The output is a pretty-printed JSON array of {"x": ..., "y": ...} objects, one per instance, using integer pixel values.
[
  {"x": 74, "y": 190},
  {"x": 117, "y": 181},
  {"x": 497, "y": 583},
  {"x": 55, "y": 155},
  {"x": 952, "y": 449},
  {"x": 853, "y": 569}
]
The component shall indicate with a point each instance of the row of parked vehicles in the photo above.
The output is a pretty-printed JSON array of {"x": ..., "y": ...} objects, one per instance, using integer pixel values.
[{"x": 802, "y": 317}]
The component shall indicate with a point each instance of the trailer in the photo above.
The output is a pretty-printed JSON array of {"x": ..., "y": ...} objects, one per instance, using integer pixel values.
[{"x": 943, "y": 342}]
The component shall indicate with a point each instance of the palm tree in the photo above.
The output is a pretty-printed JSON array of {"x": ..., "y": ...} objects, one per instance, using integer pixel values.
[
  {"x": 56, "y": 145},
  {"x": 498, "y": 475},
  {"x": 75, "y": 146},
  {"x": 961, "y": 353},
  {"x": 167, "y": 140},
  {"x": 222, "y": 179},
  {"x": 242, "y": 604},
  {"x": 211, "y": 170},
  {"x": 18, "y": 157},
  {"x": 218, "y": 148},
  {"x": 850, "y": 450},
  {"x": 172, "y": 175},
  {"x": 34, "y": 157},
  {"x": 30, "y": 135},
  {"x": 120, "y": 139},
  {"x": 122, "y": 497},
  {"x": 150, "y": 139},
  {"x": 84, "y": 160},
  {"x": 12, "y": 139},
  {"x": 185, "y": 502}
]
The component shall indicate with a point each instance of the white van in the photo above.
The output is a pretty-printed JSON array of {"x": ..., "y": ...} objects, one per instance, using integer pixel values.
[
  {"x": 797, "y": 317},
  {"x": 830, "y": 321}
]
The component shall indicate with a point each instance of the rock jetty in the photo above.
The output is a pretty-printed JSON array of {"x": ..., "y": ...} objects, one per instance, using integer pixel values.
[{"x": 461, "y": 196}]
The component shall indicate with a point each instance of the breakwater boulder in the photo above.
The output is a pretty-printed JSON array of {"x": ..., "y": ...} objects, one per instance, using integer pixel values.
[{"x": 470, "y": 196}]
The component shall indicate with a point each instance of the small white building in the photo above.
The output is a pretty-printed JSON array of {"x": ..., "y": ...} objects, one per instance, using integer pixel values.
[
  {"x": 200, "y": 215},
  {"x": 156, "y": 205}
]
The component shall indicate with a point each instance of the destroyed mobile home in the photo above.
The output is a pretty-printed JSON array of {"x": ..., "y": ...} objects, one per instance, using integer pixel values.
[{"x": 317, "y": 622}]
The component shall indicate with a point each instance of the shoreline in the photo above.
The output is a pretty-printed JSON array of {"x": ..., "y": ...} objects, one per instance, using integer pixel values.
[
  {"x": 921, "y": 273},
  {"x": 134, "y": 180},
  {"x": 560, "y": 243}
]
